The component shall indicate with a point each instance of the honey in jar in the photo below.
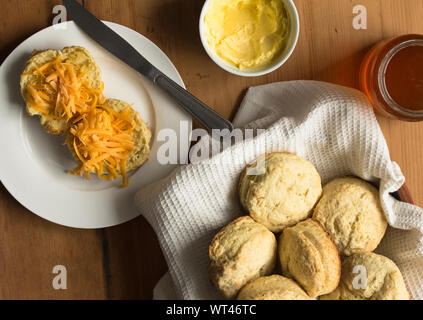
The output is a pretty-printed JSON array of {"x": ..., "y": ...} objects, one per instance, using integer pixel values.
[{"x": 392, "y": 77}]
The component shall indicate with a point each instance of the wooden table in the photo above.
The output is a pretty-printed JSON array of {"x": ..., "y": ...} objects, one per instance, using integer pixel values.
[{"x": 125, "y": 262}]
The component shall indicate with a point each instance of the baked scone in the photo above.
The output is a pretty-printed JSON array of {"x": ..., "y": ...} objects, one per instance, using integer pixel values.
[
  {"x": 351, "y": 213},
  {"x": 284, "y": 194},
  {"x": 308, "y": 255},
  {"x": 273, "y": 287},
  {"x": 241, "y": 251},
  {"x": 383, "y": 282},
  {"x": 56, "y": 85},
  {"x": 120, "y": 149}
]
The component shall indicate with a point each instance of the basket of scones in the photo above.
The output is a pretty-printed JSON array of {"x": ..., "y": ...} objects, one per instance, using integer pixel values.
[{"x": 301, "y": 241}]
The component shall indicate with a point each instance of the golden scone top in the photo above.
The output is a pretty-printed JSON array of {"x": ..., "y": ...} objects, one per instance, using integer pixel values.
[
  {"x": 308, "y": 255},
  {"x": 284, "y": 194},
  {"x": 369, "y": 276},
  {"x": 351, "y": 212},
  {"x": 241, "y": 251}
]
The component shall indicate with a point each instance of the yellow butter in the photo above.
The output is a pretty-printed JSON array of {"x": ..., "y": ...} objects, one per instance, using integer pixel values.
[{"x": 247, "y": 33}]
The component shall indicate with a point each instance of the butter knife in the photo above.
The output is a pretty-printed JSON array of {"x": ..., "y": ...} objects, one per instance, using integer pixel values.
[{"x": 120, "y": 48}]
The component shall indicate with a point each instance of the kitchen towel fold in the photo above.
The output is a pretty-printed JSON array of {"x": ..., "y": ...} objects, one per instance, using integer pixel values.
[{"x": 332, "y": 126}]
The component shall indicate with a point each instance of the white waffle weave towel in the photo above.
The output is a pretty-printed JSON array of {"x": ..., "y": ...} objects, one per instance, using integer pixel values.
[{"x": 332, "y": 126}]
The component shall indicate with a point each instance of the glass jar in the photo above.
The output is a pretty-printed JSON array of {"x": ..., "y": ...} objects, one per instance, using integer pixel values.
[{"x": 391, "y": 76}]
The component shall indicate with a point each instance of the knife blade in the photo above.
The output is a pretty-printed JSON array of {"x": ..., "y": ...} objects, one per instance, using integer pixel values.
[{"x": 121, "y": 49}]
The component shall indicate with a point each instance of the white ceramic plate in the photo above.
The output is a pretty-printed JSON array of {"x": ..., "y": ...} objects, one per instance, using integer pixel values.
[{"x": 33, "y": 164}]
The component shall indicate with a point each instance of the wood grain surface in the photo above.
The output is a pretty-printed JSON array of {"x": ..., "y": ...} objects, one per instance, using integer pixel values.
[{"x": 125, "y": 262}]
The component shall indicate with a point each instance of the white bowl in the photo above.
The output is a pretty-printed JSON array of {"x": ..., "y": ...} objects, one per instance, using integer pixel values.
[{"x": 275, "y": 64}]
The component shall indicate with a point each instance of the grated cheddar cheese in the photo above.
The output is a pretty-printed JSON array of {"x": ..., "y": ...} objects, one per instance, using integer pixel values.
[
  {"x": 59, "y": 91},
  {"x": 102, "y": 139}
]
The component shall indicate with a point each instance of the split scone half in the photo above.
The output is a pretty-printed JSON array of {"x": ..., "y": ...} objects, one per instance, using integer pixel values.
[
  {"x": 57, "y": 85},
  {"x": 241, "y": 251},
  {"x": 308, "y": 255},
  {"x": 273, "y": 287},
  {"x": 369, "y": 276},
  {"x": 109, "y": 140}
]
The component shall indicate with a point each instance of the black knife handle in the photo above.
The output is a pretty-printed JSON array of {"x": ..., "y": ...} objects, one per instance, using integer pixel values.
[{"x": 207, "y": 117}]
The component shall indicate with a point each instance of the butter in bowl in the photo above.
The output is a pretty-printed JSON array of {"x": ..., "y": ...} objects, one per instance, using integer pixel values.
[{"x": 249, "y": 37}]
